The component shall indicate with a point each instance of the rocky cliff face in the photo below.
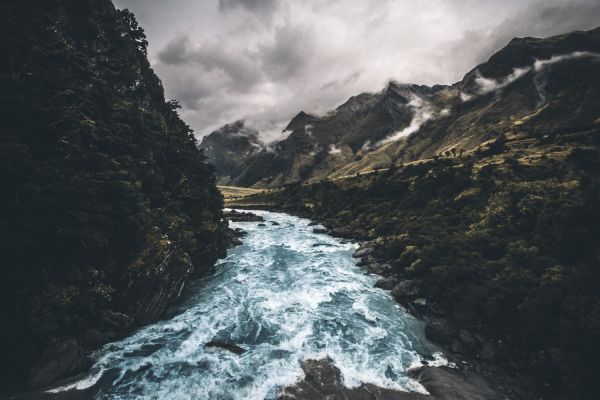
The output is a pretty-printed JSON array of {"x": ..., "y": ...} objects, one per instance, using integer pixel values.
[
  {"x": 108, "y": 206},
  {"x": 229, "y": 147},
  {"x": 531, "y": 85}
]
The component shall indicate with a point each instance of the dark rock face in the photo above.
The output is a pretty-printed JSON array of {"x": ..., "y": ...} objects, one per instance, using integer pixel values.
[
  {"x": 320, "y": 230},
  {"x": 440, "y": 330},
  {"x": 65, "y": 359}
]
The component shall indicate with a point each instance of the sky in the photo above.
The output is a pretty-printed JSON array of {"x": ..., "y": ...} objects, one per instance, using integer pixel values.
[{"x": 266, "y": 60}]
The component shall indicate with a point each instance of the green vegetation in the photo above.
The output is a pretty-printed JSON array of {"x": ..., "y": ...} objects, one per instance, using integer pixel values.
[
  {"x": 506, "y": 240},
  {"x": 105, "y": 196}
]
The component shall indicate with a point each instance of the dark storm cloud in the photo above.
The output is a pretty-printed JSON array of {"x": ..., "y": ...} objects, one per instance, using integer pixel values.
[
  {"x": 288, "y": 53},
  {"x": 176, "y": 51},
  {"x": 265, "y": 60}
]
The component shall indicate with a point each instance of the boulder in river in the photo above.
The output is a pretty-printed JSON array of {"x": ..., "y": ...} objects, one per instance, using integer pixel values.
[
  {"x": 387, "y": 283},
  {"x": 363, "y": 251},
  {"x": 320, "y": 230},
  {"x": 406, "y": 288},
  {"x": 378, "y": 269},
  {"x": 274, "y": 223},
  {"x": 64, "y": 359},
  {"x": 238, "y": 216},
  {"x": 234, "y": 348}
]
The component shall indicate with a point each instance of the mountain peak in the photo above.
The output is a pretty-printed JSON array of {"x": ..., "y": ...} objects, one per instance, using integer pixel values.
[{"x": 300, "y": 120}]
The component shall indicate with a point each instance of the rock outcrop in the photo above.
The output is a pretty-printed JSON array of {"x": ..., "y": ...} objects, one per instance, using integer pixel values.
[{"x": 322, "y": 380}]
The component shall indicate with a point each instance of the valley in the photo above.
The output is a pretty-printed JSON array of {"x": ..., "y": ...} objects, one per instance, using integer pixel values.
[{"x": 436, "y": 241}]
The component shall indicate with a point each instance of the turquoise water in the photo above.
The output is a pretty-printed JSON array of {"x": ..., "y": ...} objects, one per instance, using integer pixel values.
[{"x": 285, "y": 295}]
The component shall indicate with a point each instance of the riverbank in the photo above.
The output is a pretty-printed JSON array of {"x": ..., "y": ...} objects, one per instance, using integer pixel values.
[
  {"x": 484, "y": 359},
  {"x": 285, "y": 296}
]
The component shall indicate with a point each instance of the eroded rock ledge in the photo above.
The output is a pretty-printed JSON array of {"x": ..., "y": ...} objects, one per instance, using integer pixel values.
[{"x": 323, "y": 381}]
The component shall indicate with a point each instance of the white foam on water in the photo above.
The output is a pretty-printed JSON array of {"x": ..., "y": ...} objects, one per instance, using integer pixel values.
[{"x": 284, "y": 300}]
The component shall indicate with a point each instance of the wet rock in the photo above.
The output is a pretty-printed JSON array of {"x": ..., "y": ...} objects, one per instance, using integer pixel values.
[
  {"x": 275, "y": 223},
  {"x": 237, "y": 216},
  {"x": 406, "y": 288},
  {"x": 363, "y": 251},
  {"x": 378, "y": 269},
  {"x": 440, "y": 330},
  {"x": 234, "y": 348},
  {"x": 322, "y": 380},
  {"x": 386, "y": 283},
  {"x": 452, "y": 384},
  {"x": 313, "y": 223},
  {"x": 467, "y": 339},
  {"x": 262, "y": 224},
  {"x": 234, "y": 235},
  {"x": 65, "y": 359},
  {"x": 320, "y": 230}
]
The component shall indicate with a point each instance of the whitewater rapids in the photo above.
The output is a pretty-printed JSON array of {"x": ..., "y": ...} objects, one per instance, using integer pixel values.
[{"x": 285, "y": 295}]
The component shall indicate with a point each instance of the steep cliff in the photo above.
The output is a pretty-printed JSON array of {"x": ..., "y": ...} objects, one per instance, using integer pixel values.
[{"x": 107, "y": 204}]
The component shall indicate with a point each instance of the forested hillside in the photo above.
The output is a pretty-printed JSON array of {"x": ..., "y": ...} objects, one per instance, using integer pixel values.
[
  {"x": 107, "y": 205},
  {"x": 502, "y": 242}
]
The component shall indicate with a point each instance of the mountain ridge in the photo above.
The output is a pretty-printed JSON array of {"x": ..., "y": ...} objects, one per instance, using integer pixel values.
[{"x": 373, "y": 130}]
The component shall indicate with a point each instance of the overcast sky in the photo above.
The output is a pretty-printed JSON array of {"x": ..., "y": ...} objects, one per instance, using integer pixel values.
[{"x": 265, "y": 60}]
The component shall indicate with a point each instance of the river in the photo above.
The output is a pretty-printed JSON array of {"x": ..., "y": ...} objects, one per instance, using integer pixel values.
[{"x": 285, "y": 295}]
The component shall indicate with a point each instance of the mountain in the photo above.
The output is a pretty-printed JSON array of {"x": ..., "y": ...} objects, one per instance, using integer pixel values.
[
  {"x": 107, "y": 205},
  {"x": 483, "y": 222},
  {"x": 228, "y": 147},
  {"x": 521, "y": 88}
]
